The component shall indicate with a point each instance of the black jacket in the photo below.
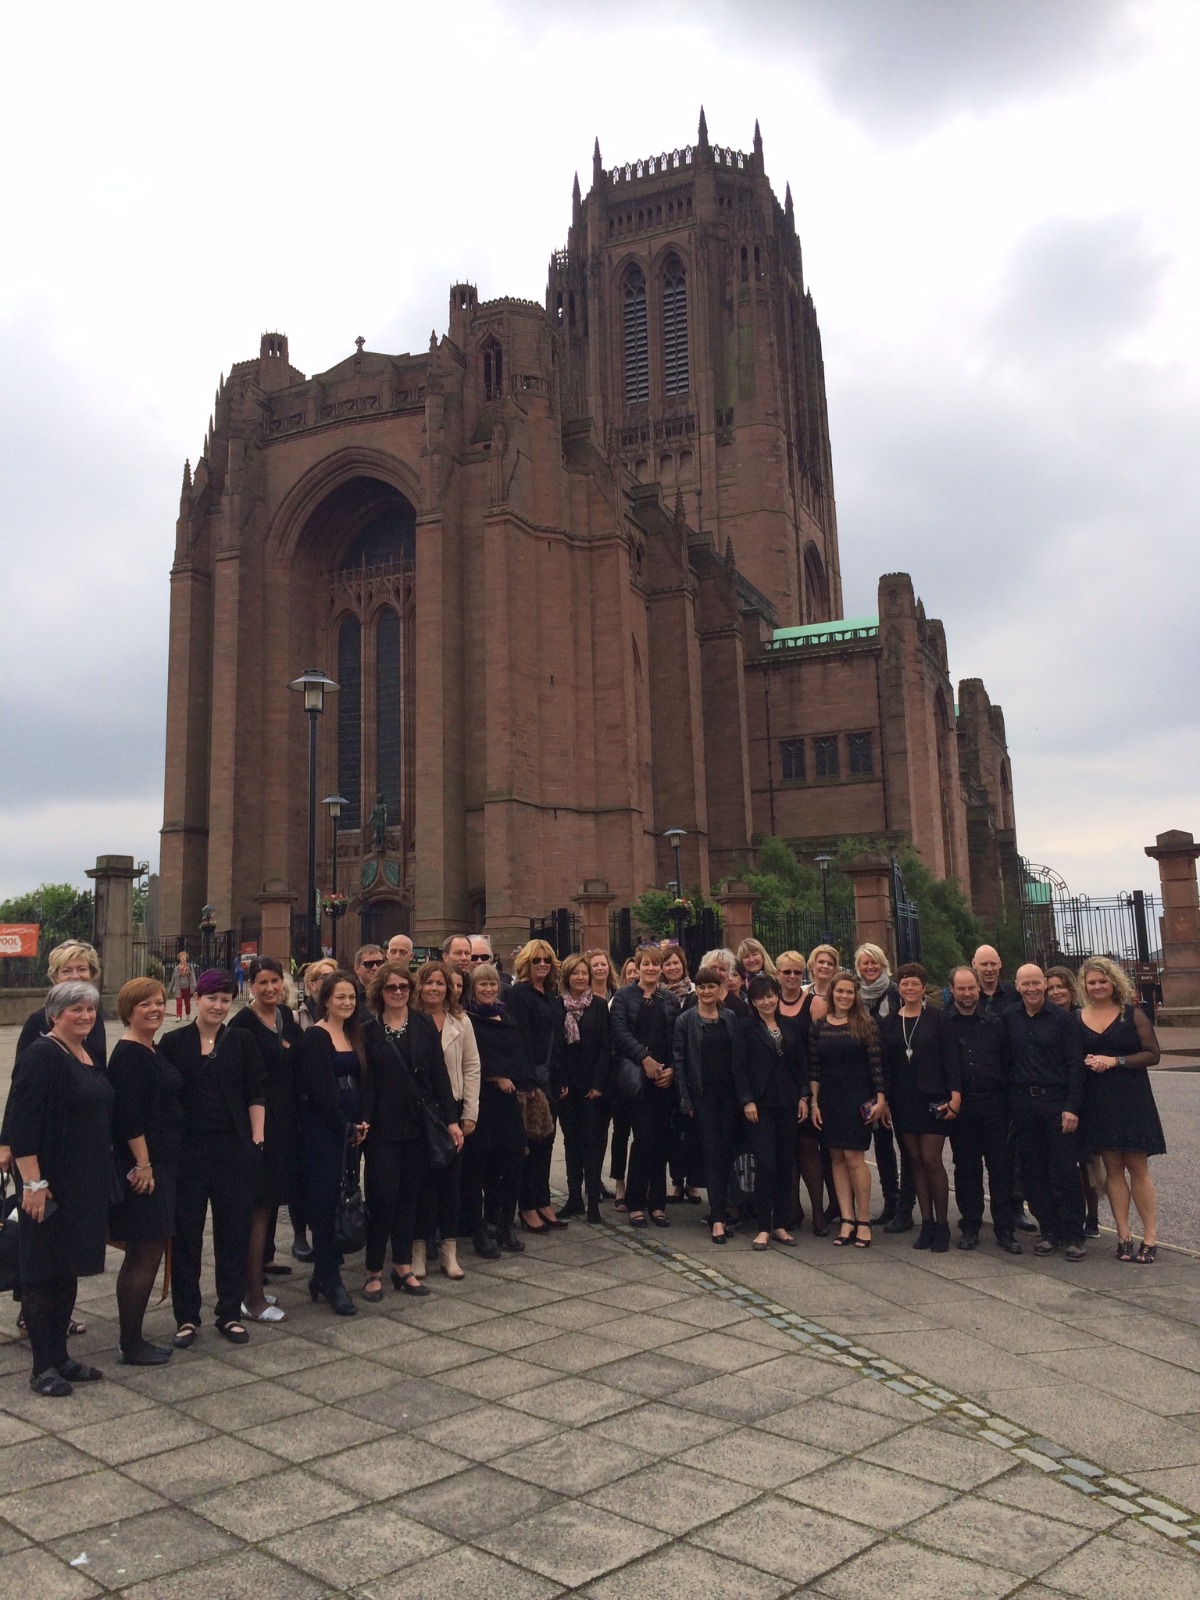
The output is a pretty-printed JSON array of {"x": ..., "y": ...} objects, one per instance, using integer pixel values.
[
  {"x": 637, "y": 1023},
  {"x": 685, "y": 1052},
  {"x": 982, "y": 1050},
  {"x": 586, "y": 1065},
  {"x": 236, "y": 1061},
  {"x": 503, "y": 1052},
  {"x": 393, "y": 1088},
  {"x": 316, "y": 1068},
  {"x": 756, "y": 1060},
  {"x": 934, "y": 1068},
  {"x": 539, "y": 1017}
]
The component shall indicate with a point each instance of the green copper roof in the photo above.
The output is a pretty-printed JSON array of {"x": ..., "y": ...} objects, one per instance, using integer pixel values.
[{"x": 844, "y": 630}]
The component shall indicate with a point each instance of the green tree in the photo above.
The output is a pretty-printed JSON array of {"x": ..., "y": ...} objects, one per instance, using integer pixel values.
[{"x": 64, "y": 911}]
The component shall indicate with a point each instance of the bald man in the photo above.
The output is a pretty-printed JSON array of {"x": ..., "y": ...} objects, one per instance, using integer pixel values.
[
  {"x": 994, "y": 993},
  {"x": 400, "y": 948},
  {"x": 1046, "y": 1076}
]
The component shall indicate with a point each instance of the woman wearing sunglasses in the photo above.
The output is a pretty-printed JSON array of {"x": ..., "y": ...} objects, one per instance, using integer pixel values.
[{"x": 532, "y": 1001}]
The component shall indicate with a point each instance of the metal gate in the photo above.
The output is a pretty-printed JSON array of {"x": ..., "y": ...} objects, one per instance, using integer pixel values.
[
  {"x": 560, "y": 930},
  {"x": 1061, "y": 929},
  {"x": 906, "y": 916}
]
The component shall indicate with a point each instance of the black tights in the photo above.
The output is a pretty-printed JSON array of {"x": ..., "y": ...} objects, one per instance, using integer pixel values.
[
  {"x": 47, "y": 1308},
  {"x": 134, "y": 1283},
  {"x": 929, "y": 1174}
]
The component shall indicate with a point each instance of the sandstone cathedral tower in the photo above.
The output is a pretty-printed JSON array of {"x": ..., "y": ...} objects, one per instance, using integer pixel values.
[{"x": 575, "y": 571}]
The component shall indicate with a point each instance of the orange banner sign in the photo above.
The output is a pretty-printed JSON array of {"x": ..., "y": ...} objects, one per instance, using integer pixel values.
[{"x": 19, "y": 938}]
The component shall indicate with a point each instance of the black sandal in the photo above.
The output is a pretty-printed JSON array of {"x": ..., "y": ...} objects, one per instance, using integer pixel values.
[
  {"x": 1125, "y": 1250},
  {"x": 843, "y": 1239},
  {"x": 1147, "y": 1254},
  {"x": 79, "y": 1372},
  {"x": 234, "y": 1332},
  {"x": 51, "y": 1384}
]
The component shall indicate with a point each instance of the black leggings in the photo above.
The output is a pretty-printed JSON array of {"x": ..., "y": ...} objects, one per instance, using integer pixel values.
[
  {"x": 773, "y": 1140},
  {"x": 395, "y": 1176},
  {"x": 651, "y": 1112},
  {"x": 492, "y": 1159},
  {"x": 135, "y": 1280},
  {"x": 47, "y": 1307}
]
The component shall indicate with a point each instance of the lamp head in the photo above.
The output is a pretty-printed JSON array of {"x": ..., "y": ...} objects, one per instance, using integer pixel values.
[{"x": 313, "y": 685}]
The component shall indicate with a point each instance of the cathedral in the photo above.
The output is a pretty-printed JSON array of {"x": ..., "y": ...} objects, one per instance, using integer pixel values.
[{"x": 574, "y": 570}]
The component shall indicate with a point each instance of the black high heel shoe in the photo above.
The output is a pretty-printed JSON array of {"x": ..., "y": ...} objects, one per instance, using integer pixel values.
[
  {"x": 552, "y": 1222},
  {"x": 335, "y": 1293},
  {"x": 528, "y": 1227}
]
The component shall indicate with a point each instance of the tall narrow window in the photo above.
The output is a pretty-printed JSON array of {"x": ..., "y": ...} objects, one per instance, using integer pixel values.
[
  {"x": 349, "y": 712},
  {"x": 862, "y": 757},
  {"x": 493, "y": 370},
  {"x": 791, "y": 755},
  {"x": 387, "y": 713},
  {"x": 637, "y": 354},
  {"x": 825, "y": 752},
  {"x": 675, "y": 343}
]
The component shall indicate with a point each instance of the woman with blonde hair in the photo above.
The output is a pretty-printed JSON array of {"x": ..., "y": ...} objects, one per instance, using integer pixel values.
[
  {"x": 752, "y": 954},
  {"x": 1120, "y": 1120},
  {"x": 824, "y": 962},
  {"x": 812, "y": 1159},
  {"x": 896, "y": 1177},
  {"x": 845, "y": 1059},
  {"x": 532, "y": 1003}
]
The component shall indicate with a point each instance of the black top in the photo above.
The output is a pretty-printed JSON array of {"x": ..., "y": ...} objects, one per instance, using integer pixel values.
[
  {"x": 833, "y": 1050},
  {"x": 768, "y": 1071},
  {"x": 276, "y": 1045},
  {"x": 583, "y": 1066},
  {"x": 716, "y": 1055},
  {"x": 38, "y": 1024},
  {"x": 218, "y": 1088},
  {"x": 982, "y": 1048},
  {"x": 539, "y": 1017},
  {"x": 503, "y": 1052},
  {"x": 643, "y": 1027},
  {"x": 402, "y": 1071},
  {"x": 1046, "y": 1052},
  {"x": 933, "y": 1069},
  {"x": 318, "y": 1067},
  {"x": 702, "y": 1054},
  {"x": 994, "y": 1005},
  {"x": 148, "y": 1103}
]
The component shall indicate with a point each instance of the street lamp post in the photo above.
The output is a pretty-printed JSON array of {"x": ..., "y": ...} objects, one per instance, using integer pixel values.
[
  {"x": 823, "y": 862},
  {"x": 335, "y": 802},
  {"x": 675, "y": 835},
  {"x": 313, "y": 685},
  {"x": 208, "y": 924}
]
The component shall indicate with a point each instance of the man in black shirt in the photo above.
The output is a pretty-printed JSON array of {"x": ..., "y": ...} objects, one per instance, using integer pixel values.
[
  {"x": 995, "y": 995},
  {"x": 980, "y": 1132},
  {"x": 1045, "y": 1095}
]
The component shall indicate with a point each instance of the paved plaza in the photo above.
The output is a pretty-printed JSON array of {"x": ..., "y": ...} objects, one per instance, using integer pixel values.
[{"x": 628, "y": 1415}]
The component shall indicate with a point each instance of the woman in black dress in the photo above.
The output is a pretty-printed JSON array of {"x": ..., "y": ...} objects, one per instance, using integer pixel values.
[
  {"x": 845, "y": 1064},
  {"x": 330, "y": 1064},
  {"x": 533, "y": 1003},
  {"x": 924, "y": 1093},
  {"x": 275, "y": 1032},
  {"x": 222, "y": 1077},
  {"x": 494, "y": 1153},
  {"x": 1120, "y": 1120},
  {"x": 404, "y": 1069},
  {"x": 581, "y": 1030},
  {"x": 60, "y": 1126},
  {"x": 768, "y": 1071},
  {"x": 147, "y": 1126}
]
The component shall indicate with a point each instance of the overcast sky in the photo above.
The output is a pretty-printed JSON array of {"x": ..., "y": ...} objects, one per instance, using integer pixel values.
[{"x": 997, "y": 205}]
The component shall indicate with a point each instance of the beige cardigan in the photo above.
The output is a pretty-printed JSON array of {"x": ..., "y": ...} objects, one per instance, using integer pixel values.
[{"x": 462, "y": 1063}]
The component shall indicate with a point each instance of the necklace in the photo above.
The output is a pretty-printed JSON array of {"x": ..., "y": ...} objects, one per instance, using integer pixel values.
[
  {"x": 396, "y": 1033},
  {"x": 909, "y": 1037}
]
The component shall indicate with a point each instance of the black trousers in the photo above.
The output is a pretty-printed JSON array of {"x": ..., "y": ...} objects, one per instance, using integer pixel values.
[
  {"x": 535, "y": 1170},
  {"x": 492, "y": 1159},
  {"x": 441, "y": 1195},
  {"x": 979, "y": 1135},
  {"x": 622, "y": 1127},
  {"x": 214, "y": 1172},
  {"x": 721, "y": 1123},
  {"x": 1049, "y": 1165},
  {"x": 46, "y": 1307},
  {"x": 773, "y": 1141},
  {"x": 583, "y": 1128},
  {"x": 686, "y": 1160},
  {"x": 392, "y": 1184},
  {"x": 650, "y": 1117}
]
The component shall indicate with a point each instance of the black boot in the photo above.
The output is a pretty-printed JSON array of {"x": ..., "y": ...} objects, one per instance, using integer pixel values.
[
  {"x": 484, "y": 1245},
  {"x": 902, "y": 1222},
  {"x": 941, "y": 1238},
  {"x": 924, "y": 1240},
  {"x": 890, "y": 1202},
  {"x": 593, "y": 1211},
  {"x": 334, "y": 1291},
  {"x": 573, "y": 1207},
  {"x": 506, "y": 1238}
]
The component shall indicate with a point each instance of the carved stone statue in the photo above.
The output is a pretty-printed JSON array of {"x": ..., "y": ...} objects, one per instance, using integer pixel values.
[{"x": 379, "y": 822}]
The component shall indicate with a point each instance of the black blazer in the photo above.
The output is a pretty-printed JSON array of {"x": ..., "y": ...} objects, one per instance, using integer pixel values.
[
  {"x": 392, "y": 1089},
  {"x": 503, "y": 1052},
  {"x": 241, "y": 1071},
  {"x": 586, "y": 1065},
  {"x": 934, "y": 1070},
  {"x": 317, "y": 1074},
  {"x": 755, "y": 1059}
]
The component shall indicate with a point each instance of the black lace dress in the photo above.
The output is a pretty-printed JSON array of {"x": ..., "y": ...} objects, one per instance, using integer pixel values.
[
  {"x": 848, "y": 1074},
  {"x": 1119, "y": 1112}
]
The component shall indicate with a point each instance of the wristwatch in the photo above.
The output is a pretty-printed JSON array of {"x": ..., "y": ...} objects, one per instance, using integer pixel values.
[
  {"x": 1120, "y": 1061},
  {"x": 39, "y": 1183}
]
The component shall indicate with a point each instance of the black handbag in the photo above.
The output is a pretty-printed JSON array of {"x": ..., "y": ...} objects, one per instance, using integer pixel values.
[
  {"x": 628, "y": 1080},
  {"x": 439, "y": 1142},
  {"x": 350, "y": 1217},
  {"x": 10, "y": 1225}
]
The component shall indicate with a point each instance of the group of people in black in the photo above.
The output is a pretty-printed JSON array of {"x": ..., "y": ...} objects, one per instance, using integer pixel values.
[{"x": 448, "y": 1083}]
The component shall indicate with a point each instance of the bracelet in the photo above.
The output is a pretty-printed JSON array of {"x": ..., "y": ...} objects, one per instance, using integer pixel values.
[
  {"x": 149, "y": 1167},
  {"x": 38, "y": 1183}
]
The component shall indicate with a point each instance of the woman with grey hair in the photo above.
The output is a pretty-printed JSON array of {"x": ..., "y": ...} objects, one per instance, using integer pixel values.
[{"x": 59, "y": 1117}]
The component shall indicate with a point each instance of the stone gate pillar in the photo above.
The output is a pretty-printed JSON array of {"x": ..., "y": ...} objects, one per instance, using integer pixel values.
[
  {"x": 113, "y": 877},
  {"x": 871, "y": 873},
  {"x": 737, "y": 901},
  {"x": 593, "y": 901},
  {"x": 276, "y": 902},
  {"x": 1176, "y": 854}
]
